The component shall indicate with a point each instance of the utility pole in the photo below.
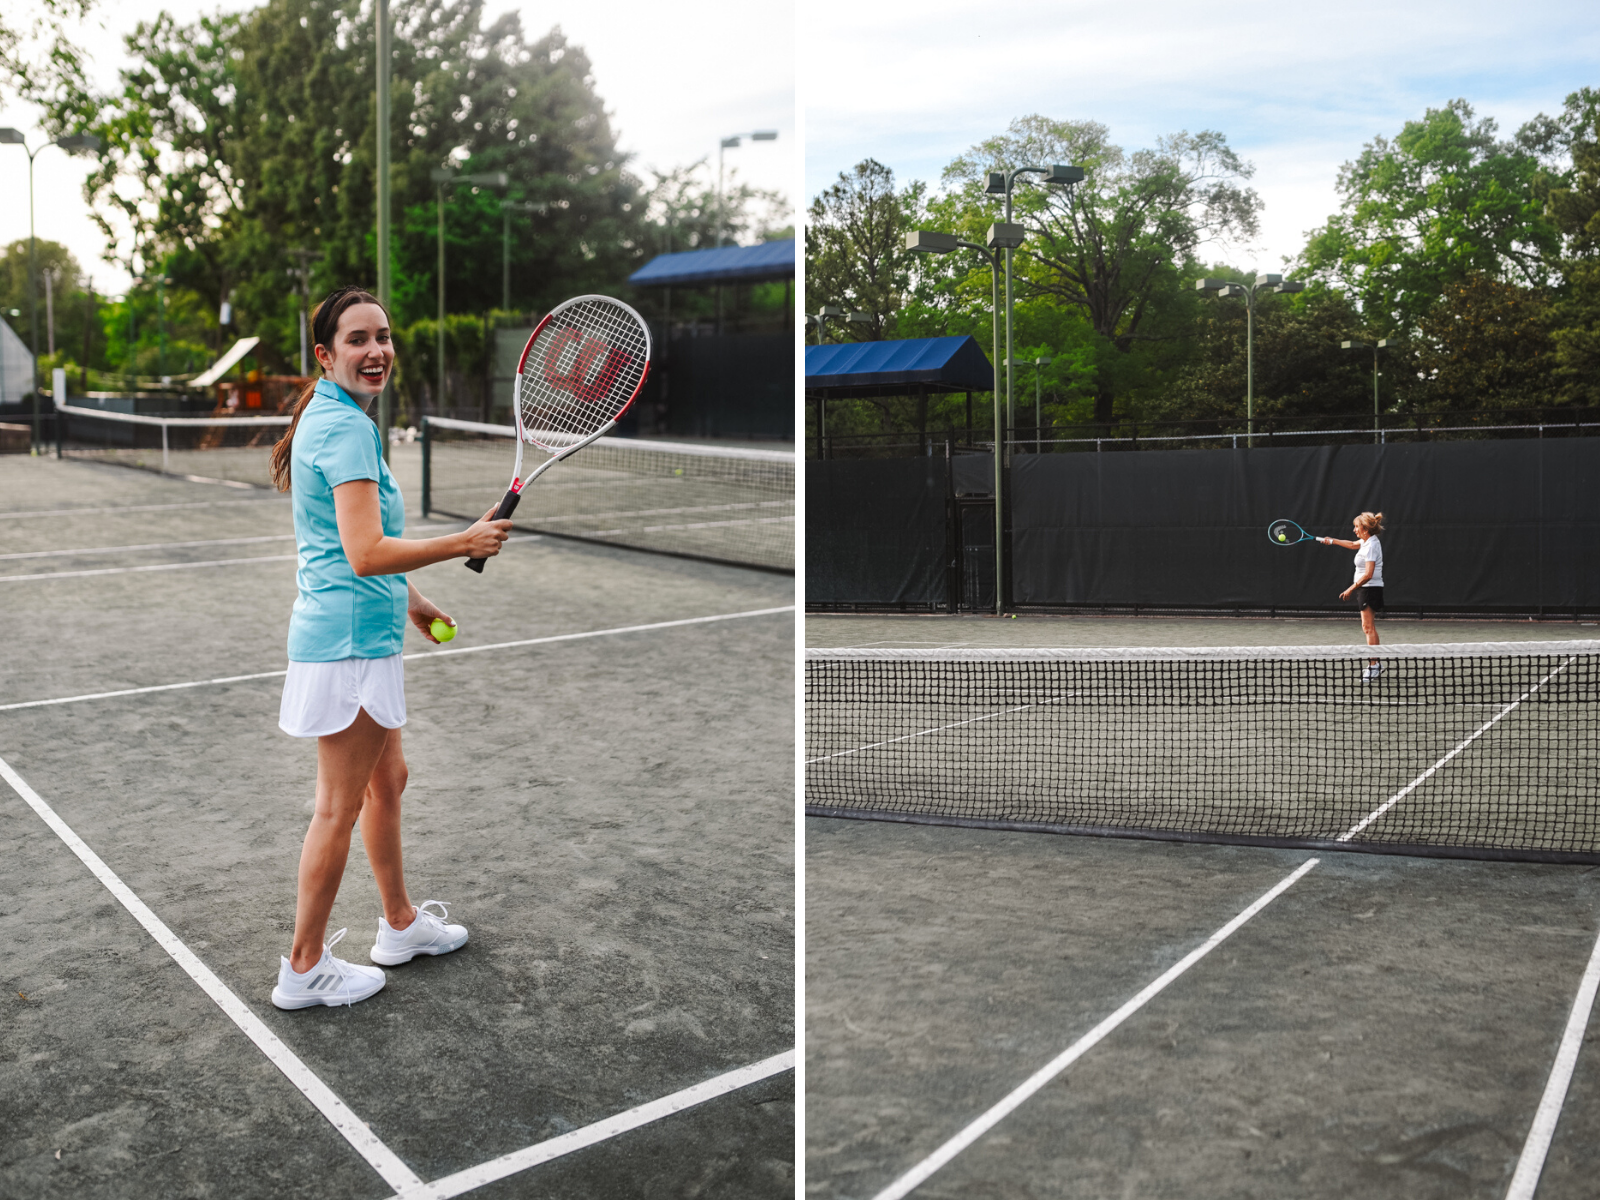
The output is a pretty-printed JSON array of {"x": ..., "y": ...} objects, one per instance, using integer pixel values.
[{"x": 303, "y": 273}]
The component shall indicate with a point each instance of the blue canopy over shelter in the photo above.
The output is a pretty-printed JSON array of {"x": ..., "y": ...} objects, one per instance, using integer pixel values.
[
  {"x": 725, "y": 264},
  {"x": 901, "y": 368}
]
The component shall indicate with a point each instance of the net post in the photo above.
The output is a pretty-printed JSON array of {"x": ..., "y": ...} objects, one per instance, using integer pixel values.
[
  {"x": 427, "y": 456},
  {"x": 163, "y": 447}
]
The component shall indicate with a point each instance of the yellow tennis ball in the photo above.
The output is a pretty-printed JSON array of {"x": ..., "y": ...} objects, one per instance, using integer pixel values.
[
  {"x": 1283, "y": 537},
  {"x": 442, "y": 629}
]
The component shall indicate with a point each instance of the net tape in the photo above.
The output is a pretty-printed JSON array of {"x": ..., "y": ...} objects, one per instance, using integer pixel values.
[
  {"x": 583, "y": 367},
  {"x": 1484, "y": 749}
]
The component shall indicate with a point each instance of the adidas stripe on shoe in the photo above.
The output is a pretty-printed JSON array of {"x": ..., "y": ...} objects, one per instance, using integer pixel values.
[{"x": 332, "y": 981}]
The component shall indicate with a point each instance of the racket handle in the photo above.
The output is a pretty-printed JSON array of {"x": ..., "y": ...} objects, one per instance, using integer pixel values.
[{"x": 508, "y": 505}]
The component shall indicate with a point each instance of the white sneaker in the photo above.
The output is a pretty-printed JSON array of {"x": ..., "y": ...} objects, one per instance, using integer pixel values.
[
  {"x": 427, "y": 934},
  {"x": 331, "y": 981},
  {"x": 1372, "y": 672}
]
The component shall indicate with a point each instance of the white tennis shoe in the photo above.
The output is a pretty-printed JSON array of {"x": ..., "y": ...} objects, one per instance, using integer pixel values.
[
  {"x": 331, "y": 981},
  {"x": 427, "y": 934},
  {"x": 1372, "y": 672}
]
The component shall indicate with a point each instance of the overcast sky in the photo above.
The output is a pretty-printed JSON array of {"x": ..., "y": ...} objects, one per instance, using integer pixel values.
[
  {"x": 1297, "y": 88},
  {"x": 675, "y": 78}
]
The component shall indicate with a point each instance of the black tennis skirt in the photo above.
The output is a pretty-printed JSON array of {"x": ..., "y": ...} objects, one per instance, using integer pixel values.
[{"x": 1372, "y": 597}]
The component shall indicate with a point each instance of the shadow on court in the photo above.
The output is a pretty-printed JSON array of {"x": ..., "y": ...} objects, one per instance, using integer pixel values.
[{"x": 611, "y": 817}]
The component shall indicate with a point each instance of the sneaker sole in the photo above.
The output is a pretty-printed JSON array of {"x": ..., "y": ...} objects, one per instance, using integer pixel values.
[
  {"x": 395, "y": 958},
  {"x": 282, "y": 1001}
]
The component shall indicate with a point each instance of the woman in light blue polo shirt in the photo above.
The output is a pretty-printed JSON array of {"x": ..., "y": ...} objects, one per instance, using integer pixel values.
[{"x": 345, "y": 685}]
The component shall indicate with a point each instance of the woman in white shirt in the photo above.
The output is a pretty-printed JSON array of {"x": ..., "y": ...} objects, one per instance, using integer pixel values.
[{"x": 1368, "y": 580}]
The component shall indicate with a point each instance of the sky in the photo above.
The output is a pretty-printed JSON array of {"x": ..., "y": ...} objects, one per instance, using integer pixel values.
[
  {"x": 676, "y": 79},
  {"x": 1297, "y": 88}
]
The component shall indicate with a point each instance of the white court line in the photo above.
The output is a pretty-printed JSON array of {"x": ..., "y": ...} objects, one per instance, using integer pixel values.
[
  {"x": 128, "y": 508},
  {"x": 919, "y": 1173},
  {"x": 1429, "y": 773},
  {"x": 382, "y": 1160},
  {"x": 187, "y": 566},
  {"x": 184, "y": 566},
  {"x": 559, "y": 637},
  {"x": 1537, "y": 1146},
  {"x": 239, "y": 541},
  {"x": 589, "y": 1135},
  {"x": 906, "y": 737}
]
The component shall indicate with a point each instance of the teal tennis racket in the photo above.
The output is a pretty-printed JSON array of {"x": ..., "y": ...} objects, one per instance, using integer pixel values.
[{"x": 1287, "y": 533}]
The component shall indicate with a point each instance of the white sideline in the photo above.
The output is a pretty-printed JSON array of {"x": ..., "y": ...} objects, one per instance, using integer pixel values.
[
  {"x": 919, "y": 1173},
  {"x": 559, "y": 637},
  {"x": 1429, "y": 773},
  {"x": 406, "y": 1182},
  {"x": 1534, "y": 1150},
  {"x": 589, "y": 1135},
  {"x": 185, "y": 566},
  {"x": 382, "y": 1160}
]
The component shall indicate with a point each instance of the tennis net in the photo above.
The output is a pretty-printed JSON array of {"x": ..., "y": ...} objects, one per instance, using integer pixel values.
[
  {"x": 1488, "y": 750},
  {"x": 712, "y": 502},
  {"x": 232, "y": 450}
]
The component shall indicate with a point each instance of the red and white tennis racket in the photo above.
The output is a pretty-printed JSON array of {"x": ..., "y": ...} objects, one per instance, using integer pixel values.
[{"x": 580, "y": 371}]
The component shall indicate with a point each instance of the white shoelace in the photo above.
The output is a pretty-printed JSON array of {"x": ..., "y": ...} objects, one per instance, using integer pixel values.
[
  {"x": 435, "y": 923},
  {"x": 338, "y": 964}
]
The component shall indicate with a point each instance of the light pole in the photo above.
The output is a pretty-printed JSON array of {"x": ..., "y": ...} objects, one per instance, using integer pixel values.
[
  {"x": 303, "y": 273},
  {"x": 1222, "y": 289},
  {"x": 926, "y": 242},
  {"x": 440, "y": 177},
  {"x": 1380, "y": 344},
  {"x": 76, "y": 141},
  {"x": 1004, "y": 183},
  {"x": 383, "y": 54},
  {"x": 1038, "y": 398},
  {"x": 731, "y": 142},
  {"x": 506, "y": 209},
  {"x": 820, "y": 319}
]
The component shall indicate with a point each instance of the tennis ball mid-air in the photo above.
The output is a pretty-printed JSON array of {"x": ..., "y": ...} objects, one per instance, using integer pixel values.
[
  {"x": 442, "y": 629},
  {"x": 1283, "y": 537}
]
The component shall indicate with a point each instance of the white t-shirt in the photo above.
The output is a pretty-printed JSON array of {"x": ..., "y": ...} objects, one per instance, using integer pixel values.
[{"x": 1370, "y": 552}]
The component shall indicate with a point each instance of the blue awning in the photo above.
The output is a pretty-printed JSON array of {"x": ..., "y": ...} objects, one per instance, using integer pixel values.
[
  {"x": 725, "y": 264},
  {"x": 946, "y": 364}
]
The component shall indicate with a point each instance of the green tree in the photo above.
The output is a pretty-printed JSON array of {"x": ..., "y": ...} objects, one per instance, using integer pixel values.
[
  {"x": 1441, "y": 202},
  {"x": 1485, "y": 343},
  {"x": 1116, "y": 246},
  {"x": 855, "y": 247},
  {"x": 1575, "y": 208}
]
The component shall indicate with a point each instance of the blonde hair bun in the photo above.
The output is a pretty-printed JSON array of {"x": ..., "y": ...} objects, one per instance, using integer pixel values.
[{"x": 1372, "y": 522}]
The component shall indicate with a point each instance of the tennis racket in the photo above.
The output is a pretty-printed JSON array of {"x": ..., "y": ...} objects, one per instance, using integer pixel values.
[
  {"x": 580, "y": 371},
  {"x": 1287, "y": 533}
]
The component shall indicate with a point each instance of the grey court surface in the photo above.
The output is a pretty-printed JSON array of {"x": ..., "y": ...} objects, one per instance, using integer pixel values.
[
  {"x": 609, "y": 811},
  {"x": 1375, "y": 1026}
]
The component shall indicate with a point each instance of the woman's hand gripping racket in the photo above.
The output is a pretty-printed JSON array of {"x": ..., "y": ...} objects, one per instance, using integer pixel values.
[{"x": 581, "y": 369}]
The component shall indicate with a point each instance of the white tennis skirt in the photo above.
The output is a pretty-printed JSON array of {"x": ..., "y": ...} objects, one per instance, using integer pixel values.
[{"x": 320, "y": 698}]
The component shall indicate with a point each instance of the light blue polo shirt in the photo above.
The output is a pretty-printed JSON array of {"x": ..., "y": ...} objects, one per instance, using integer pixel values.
[{"x": 338, "y": 614}]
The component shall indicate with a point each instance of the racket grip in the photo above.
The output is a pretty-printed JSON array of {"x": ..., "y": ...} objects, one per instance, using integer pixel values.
[{"x": 508, "y": 505}]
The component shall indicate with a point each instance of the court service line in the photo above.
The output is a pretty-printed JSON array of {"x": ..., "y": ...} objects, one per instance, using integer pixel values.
[
  {"x": 238, "y": 541},
  {"x": 918, "y": 1174},
  {"x": 1431, "y": 771},
  {"x": 128, "y": 508},
  {"x": 906, "y": 737},
  {"x": 589, "y": 1135},
  {"x": 1534, "y": 1150},
  {"x": 382, "y": 1160},
  {"x": 184, "y": 566},
  {"x": 559, "y": 637}
]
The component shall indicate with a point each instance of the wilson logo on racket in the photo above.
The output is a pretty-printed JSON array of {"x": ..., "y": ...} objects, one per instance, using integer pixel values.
[{"x": 576, "y": 378}]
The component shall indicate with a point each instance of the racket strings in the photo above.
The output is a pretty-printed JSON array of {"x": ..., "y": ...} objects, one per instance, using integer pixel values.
[{"x": 581, "y": 372}]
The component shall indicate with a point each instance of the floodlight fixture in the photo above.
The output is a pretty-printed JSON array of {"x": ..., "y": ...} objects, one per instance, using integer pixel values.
[
  {"x": 729, "y": 143},
  {"x": 925, "y": 241},
  {"x": 997, "y": 185},
  {"x": 1064, "y": 174},
  {"x": 79, "y": 141},
  {"x": 1268, "y": 280},
  {"x": 12, "y": 137},
  {"x": 441, "y": 175},
  {"x": 1209, "y": 287},
  {"x": 859, "y": 318},
  {"x": 1222, "y": 289},
  {"x": 831, "y": 310},
  {"x": 1289, "y": 287},
  {"x": 1375, "y": 347},
  {"x": 1231, "y": 290},
  {"x": 764, "y": 135},
  {"x": 1005, "y": 236}
]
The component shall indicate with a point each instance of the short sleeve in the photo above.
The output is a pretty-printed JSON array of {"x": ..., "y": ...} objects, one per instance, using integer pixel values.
[{"x": 348, "y": 451}]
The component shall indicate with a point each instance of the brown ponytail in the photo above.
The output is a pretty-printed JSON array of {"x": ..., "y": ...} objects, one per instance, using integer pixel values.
[{"x": 324, "y": 325}]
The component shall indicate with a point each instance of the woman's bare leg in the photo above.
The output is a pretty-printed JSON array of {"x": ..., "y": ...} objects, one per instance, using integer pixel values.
[
  {"x": 345, "y": 763},
  {"x": 380, "y": 832},
  {"x": 1369, "y": 626}
]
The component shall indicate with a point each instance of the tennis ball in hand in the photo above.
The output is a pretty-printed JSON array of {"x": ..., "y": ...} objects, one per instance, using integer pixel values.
[{"x": 442, "y": 629}]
